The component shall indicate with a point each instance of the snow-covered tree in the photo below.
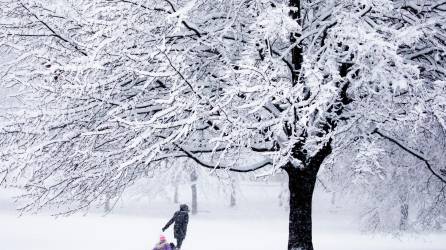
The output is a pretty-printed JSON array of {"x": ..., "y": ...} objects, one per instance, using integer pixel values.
[
  {"x": 394, "y": 190},
  {"x": 409, "y": 184},
  {"x": 118, "y": 86}
]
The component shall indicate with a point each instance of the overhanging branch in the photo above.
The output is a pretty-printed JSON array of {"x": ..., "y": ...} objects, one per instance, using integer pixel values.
[
  {"x": 220, "y": 167},
  {"x": 412, "y": 152}
]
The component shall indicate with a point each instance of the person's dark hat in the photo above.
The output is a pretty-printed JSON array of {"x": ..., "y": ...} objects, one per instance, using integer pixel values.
[{"x": 184, "y": 207}]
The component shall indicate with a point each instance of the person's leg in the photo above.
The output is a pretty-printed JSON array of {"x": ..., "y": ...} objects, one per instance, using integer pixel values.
[
  {"x": 179, "y": 242},
  {"x": 172, "y": 246}
]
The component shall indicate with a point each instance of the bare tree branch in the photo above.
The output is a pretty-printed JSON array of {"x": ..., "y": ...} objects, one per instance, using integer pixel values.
[
  {"x": 412, "y": 152},
  {"x": 202, "y": 163},
  {"x": 55, "y": 34}
]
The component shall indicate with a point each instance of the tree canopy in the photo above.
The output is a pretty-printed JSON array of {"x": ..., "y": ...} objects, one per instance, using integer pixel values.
[{"x": 112, "y": 87}]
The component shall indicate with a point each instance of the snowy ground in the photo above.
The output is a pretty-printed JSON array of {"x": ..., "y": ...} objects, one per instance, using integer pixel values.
[{"x": 258, "y": 223}]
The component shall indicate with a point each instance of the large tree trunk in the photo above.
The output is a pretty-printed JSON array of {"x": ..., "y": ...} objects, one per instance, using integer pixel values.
[
  {"x": 301, "y": 185},
  {"x": 301, "y": 182}
]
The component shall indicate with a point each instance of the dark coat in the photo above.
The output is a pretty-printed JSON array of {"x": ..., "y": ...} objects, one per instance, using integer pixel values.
[{"x": 180, "y": 218}]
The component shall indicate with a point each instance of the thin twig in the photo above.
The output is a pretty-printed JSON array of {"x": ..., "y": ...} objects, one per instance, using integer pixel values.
[{"x": 53, "y": 31}]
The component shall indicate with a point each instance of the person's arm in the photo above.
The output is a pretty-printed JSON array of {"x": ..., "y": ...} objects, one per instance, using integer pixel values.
[{"x": 169, "y": 222}]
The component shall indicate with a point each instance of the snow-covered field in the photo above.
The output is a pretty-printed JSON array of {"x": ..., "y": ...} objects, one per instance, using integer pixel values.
[{"x": 258, "y": 223}]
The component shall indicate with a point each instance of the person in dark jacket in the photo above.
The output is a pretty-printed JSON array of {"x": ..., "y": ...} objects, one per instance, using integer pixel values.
[{"x": 180, "y": 218}]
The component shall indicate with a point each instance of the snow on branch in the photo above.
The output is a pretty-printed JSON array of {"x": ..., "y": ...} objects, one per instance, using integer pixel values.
[
  {"x": 249, "y": 168},
  {"x": 412, "y": 152},
  {"x": 173, "y": 79}
]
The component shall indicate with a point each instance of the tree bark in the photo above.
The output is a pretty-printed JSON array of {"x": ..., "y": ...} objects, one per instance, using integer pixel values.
[
  {"x": 296, "y": 51},
  {"x": 193, "y": 179},
  {"x": 301, "y": 185},
  {"x": 175, "y": 194},
  {"x": 404, "y": 216},
  {"x": 107, "y": 206},
  {"x": 233, "y": 200}
]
